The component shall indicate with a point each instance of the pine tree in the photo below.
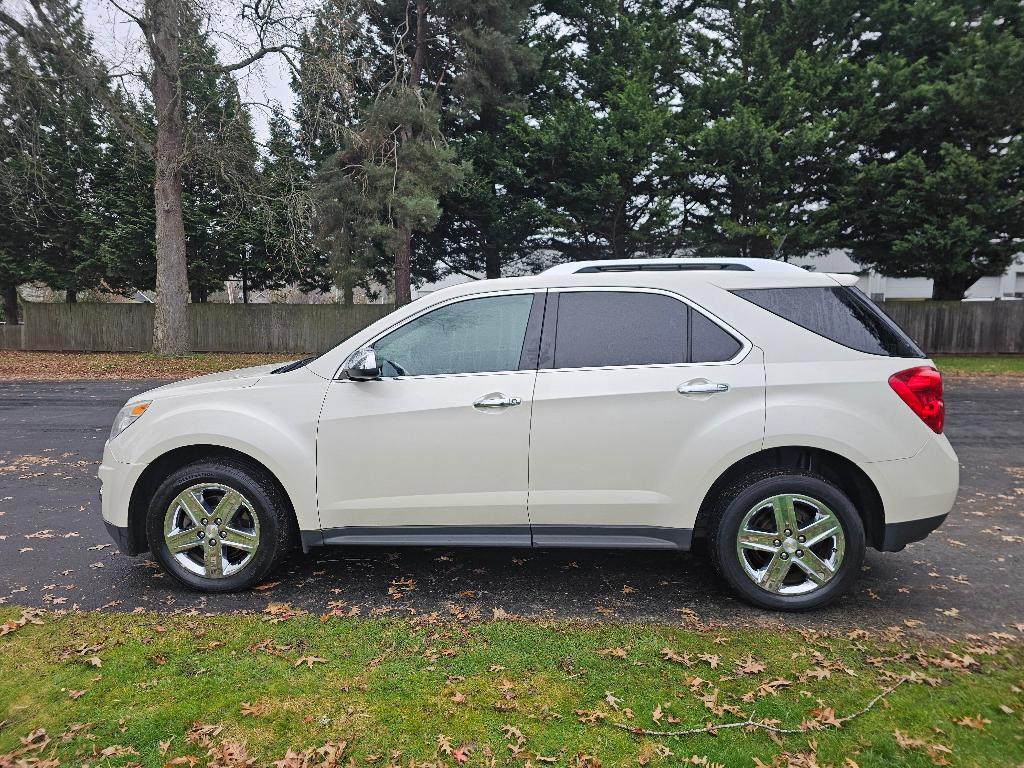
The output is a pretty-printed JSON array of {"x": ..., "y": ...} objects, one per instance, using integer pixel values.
[
  {"x": 773, "y": 137},
  {"x": 936, "y": 190},
  {"x": 490, "y": 216},
  {"x": 394, "y": 152},
  {"x": 282, "y": 249},
  {"x": 220, "y": 173},
  {"x": 52, "y": 142},
  {"x": 606, "y": 127}
]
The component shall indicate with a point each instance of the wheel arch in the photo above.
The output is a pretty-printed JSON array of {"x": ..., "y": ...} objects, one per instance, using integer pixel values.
[
  {"x": 172, "y": 460},
  {"x": 838, "y": 469}
]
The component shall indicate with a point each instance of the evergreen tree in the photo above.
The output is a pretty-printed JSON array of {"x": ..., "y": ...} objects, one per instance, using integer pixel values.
[
  {"x": 606, "y": 126},
  {"x": 774, "y": 138},
  {"x": 219, "y": 174},
  {"x": 936, "y": 188},
  {"x": 383, "y": 186},
  {"x": 395, "y": 151},
  {"x": 123, "y": 216},
  {"x": 283, "y": 250},
  {"x": 490, "y": 216},
  {"x": 52, "y": 136}
]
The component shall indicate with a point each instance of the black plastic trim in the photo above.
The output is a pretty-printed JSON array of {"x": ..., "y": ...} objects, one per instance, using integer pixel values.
[
  {"x": 531, "y": 342},
  {"x": 898, "y": 535},
  {"x": 578, "y": 536},
  {"x": 547, "y": 338},
  {"x": 122, "y": 537},
  {"x": 612, "y": 537},
  {"x": 711, "y": 266},
  {"x": 425, "y": 535}
]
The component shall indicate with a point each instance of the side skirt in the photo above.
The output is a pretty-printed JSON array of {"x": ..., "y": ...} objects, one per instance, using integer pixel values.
[{"x": 542, "y": 536}]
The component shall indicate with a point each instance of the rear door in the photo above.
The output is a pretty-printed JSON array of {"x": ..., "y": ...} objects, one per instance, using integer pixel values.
[{"x": 639, "y": 399}]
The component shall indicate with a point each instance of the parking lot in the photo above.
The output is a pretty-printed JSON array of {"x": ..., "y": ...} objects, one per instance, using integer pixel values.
[{"x": 56, "y": 554}]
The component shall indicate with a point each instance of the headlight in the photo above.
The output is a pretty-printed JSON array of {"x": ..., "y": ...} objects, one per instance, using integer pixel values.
[{"x": 128, "y": 416}]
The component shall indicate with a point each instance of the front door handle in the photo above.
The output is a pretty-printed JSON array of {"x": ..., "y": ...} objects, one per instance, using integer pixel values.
[
  {"x": 496, "y": 400},
  {"x": 701, "y": 388}
]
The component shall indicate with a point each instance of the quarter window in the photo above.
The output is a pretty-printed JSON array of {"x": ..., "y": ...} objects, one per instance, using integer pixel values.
[
  {"x": 843, "y": 315},
  {"x": 472, "y": 336},
  {"x": 710, "y": 343},
  {"x": 602, "y": 328}
]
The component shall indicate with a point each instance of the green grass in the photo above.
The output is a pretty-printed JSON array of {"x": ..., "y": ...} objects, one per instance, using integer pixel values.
[
  {"x": 399, "y": 692},
  {"x": 982, "y": 365}
]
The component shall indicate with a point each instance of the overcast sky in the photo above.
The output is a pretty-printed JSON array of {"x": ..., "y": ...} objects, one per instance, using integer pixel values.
[{"x": 117, "y": 38}]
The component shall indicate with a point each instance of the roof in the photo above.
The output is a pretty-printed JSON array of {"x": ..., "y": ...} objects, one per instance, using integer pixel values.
[
  {"x": 672, "y": 265},
  {"x": 681, "y": 281}
]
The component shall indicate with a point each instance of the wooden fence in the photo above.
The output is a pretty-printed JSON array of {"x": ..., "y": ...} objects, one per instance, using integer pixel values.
[
  {"x": 961, "y": 327},
  {"x": 286, "y": 328},
  {"x": 940, "y": 327},
  {"x": 10, "y": 336}
]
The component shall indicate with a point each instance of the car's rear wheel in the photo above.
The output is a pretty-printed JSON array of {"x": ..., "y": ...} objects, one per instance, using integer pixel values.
[
  {"x": 787, "y": 540},
  {"x": 218, "y": 526}
]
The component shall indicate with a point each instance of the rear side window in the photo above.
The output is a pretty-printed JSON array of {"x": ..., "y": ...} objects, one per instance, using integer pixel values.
[
  {"x": 843, "y": 315},
  {"x": 606, "y": 328},
  {"x": 602, "y": 328}
]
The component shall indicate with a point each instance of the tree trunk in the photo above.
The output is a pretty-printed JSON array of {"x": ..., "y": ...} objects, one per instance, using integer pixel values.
[
  {"x": 10, "y": 297},
  {"x": 492, "y": 263},
  {"x": 71, "y": 296},
  {"x": 949, "y": 286},
  {"x": 403, "y": 254},
  {"x": 403, "y": 270},
  {"x": 348, "y": 291},
  {"x": 170, "y": 325}
]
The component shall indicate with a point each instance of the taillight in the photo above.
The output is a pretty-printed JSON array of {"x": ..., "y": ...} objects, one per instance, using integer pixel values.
[{"x": 921, "y": 389}]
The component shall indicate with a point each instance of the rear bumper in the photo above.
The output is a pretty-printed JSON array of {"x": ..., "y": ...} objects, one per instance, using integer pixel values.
[
  {"x": 917, "y": 493},
  {"x": 898, "y": 535}
]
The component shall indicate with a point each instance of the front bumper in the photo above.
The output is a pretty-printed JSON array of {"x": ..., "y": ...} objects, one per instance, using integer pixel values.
[
  {"x": 117, "y": 481},
  {"x": 122, "y": 538}
]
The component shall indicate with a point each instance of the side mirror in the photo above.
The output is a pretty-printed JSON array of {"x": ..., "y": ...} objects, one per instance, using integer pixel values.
[{"x": 361, "y": 365}]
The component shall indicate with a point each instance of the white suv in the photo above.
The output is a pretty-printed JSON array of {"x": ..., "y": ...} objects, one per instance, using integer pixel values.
[{"x": 775, "y": 412}]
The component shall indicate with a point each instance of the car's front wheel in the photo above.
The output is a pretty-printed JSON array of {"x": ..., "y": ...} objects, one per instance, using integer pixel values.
[
  {"x": 787, "y": 540},
  {"x": 218, "y": 525}
]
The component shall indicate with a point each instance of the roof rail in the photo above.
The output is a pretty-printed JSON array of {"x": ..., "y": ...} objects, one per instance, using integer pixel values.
[{"x": 673, "y": 265}]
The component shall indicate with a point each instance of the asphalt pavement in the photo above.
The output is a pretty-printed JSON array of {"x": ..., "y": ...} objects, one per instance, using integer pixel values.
[{"x": 55, "y": 553}]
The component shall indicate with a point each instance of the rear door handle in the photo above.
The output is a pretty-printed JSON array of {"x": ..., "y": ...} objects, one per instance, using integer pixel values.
[
  {"x": 496, "y": 400},
  {"x": 701, "y": 388}
]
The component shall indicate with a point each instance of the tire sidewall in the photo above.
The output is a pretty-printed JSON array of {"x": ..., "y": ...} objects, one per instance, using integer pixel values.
[
  {"x": 736, "y": 508},
  {"x": 233, "y": 477}
]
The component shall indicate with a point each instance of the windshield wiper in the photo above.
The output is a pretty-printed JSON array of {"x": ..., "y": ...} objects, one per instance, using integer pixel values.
[{"x": 295, "y": 364}]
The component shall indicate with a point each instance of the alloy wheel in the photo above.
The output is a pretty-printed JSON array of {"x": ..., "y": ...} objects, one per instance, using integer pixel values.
[
  {"x": 211, "y": 530},
  {"x": 790, "y": 544}
]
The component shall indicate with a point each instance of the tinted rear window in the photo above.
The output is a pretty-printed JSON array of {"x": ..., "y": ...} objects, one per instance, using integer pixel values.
[
  {"x": 844, "y": 315},
  {"x": 603, "y": 328},
  {"x": 610, "y": 328}
]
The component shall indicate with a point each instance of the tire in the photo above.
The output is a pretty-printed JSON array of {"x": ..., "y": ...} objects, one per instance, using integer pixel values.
[
  {"x": 815, "y": 572},
  {"x": 251, "y": 542}
]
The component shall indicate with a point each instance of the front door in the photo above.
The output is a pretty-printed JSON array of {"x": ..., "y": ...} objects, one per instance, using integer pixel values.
[
  {"x": 638, "y": 400},
  {"x": 436, "y": 450}
]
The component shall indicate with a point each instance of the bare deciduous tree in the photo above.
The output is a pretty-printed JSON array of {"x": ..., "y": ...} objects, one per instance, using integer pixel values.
[{"x": 161, "y": 23}]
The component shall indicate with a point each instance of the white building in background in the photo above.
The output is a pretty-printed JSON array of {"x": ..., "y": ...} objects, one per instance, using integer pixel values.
[
  {"x": 1009, "y": 285},
  {"x": 1006, "y": 286}
]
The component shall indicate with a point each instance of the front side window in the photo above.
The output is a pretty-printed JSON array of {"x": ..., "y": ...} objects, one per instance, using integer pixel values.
[
  {"x": 604, "y": 328},
  {"x": 843, "y": 315},
  {"x": 472, "y": 336}
]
